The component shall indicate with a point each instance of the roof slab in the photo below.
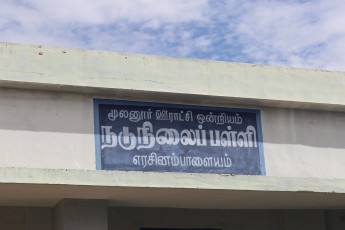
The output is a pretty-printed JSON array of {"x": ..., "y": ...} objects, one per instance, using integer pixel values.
[
  {"x": 45, "y": 187},
  {"x": 134, "y": 75}
]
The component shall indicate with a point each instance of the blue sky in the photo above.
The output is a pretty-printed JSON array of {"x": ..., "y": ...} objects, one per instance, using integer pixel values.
[{"x": 307, "y": 34}]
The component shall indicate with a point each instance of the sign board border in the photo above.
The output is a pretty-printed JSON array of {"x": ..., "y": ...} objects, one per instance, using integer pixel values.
[{"x": 99, "y": 101}]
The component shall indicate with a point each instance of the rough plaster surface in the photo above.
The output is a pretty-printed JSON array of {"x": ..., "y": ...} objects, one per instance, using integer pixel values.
[
  {"x": 304, "y": 143},
  {"x": 167, "y": 180},
  {"x": 46, "y": 121},
  {"x": 46, "y": 130},
  {"x": 39, "y": 67},
  {"x": 55, "y": 130}
]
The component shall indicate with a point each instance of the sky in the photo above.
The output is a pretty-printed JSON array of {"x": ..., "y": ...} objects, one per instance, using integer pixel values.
[{"x": 305, "y": 34}]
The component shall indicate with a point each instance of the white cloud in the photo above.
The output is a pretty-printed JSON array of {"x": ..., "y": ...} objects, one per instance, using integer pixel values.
[
  {"x": 90, "y": 24},
  {"x": 293, "y": 33},
  {"x": 106, "y": 11}
]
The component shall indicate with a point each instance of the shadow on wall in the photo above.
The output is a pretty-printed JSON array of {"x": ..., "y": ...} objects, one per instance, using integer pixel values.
[
  {"x": 322, "y": 129},
  {"x": 39, "y": 111}
]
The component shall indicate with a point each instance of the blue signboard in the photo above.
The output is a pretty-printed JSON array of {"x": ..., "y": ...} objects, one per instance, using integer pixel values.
[{"x": 142, "y": 136}]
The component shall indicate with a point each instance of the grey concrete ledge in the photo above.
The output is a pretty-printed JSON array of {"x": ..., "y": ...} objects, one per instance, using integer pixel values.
[
  {"x": 168, "y": 180},
  {"x": 46, "y": 187},
  {"x": 101, "y": 72}
]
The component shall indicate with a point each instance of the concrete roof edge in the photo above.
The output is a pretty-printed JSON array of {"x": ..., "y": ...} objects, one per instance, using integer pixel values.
[
  {"x": 103, "y": 72},
  {"x": 139, "y": 95},
  {"x": 100, "y": 178},
  {"x": 63, "y": 49}
]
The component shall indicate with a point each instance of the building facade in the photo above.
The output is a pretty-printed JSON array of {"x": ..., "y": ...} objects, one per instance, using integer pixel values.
[{"x": 103, "y": 140}]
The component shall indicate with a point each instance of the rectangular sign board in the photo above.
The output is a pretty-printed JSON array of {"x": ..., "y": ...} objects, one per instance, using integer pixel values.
[{"x": 143, "y": 136}]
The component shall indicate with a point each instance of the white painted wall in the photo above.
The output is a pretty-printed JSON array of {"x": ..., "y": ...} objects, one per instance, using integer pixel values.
[
  {"x": 46, "y": 130},
  {"x": 304, "y": 143},
  {"x": 42, "y": 129}
]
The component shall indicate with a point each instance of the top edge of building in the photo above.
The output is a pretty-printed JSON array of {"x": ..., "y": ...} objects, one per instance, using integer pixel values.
[{"x": 102, "y": 72}]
